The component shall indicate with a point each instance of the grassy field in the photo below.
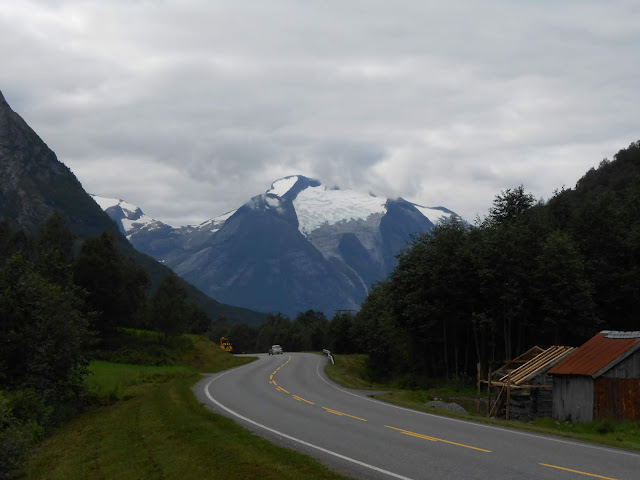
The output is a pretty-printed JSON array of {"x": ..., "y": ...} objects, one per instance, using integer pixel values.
[
  {"x": 151, "y": 426},
  {"x": 351, "y": 372}
]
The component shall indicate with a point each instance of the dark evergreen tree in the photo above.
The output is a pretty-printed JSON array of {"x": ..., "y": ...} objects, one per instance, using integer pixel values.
[
  {"x": 308, "y": 331},
  {"x": 44, "y": 335},
  {"x": 116, "y": 287},
  {"x": 275, "y": 330},
  {"x": 377, "y": 334},
  {"x": 566, "y": 306},
  {"x": 55, "y": 249},
  {"x": 169, "y": 307},
  {"x": 56, "y": 236},
  {"x": 432, "y": 303},
  {"x": 340, "y": 338},
  {"x": 243, "y": 338},
  {"x": 510, "y": 205}
]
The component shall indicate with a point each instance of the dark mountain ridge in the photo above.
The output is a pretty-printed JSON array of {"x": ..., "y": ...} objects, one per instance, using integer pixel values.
[{"x": 34, "y": 184}]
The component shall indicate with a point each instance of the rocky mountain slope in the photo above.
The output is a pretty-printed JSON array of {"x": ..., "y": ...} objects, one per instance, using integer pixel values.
[
  {"x": 298, "y": 246},
  {"x": 34, "y": 184}
]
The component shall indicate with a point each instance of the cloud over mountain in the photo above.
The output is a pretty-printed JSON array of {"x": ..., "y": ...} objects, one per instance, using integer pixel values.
[{"x": 436, "y": 101}]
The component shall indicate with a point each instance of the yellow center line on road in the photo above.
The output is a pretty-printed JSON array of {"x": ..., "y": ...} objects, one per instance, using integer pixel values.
[
  {"x": 342, "y": 414},
  {"x": 300, "y": 399},
  {"x": 434, "y": 439},
  {"x": 271, "y": 380},
  {"x": 576, "y": 471}
]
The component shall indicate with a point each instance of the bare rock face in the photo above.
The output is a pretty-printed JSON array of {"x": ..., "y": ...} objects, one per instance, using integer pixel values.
[{"x": 34, "y": 183}]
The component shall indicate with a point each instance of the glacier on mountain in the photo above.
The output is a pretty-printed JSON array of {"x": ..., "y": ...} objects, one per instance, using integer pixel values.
[{"x": 295, "y": 247}]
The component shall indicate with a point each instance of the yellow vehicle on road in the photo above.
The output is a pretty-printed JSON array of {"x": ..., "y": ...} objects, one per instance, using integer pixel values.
[{"x": 225, "y": 344}]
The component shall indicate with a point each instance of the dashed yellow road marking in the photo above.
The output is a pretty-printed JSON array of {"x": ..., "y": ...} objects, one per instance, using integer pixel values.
[
  {"x": 342, "y": 414},
  {"x": 434, "y": 439},
  {"x": 576, "y": 471},
  {"x": 300, "y": 399},
  {"x": 282, "y": 389}
]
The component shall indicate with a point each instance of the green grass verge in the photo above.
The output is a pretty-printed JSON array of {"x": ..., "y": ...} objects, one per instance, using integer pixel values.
[
  {"x": 143, "y": 347},
  {"x": 350, "y": 371},
  {"x": 111, "y": 382},
  {"x": 151, "y": 426}
]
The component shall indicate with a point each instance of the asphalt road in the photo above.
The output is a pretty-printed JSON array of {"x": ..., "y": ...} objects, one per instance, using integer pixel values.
[{"x": 288, "y": 399}]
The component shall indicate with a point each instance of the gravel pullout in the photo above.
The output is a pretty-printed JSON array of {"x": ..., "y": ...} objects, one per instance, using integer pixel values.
[{"x": 452, "y": 407}]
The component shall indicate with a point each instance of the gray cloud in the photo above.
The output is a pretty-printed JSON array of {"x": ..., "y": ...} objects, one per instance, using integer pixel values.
[{"x": 187, "y": 108}]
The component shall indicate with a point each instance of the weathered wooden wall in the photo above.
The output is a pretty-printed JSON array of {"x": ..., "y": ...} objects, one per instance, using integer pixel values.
[
  {"x": 628, "y": 368},
  {"x": 573, "y": 398},
  {"x": 617, "y": 398},
  {"x": 529, "y": 404},
  {"x": 543, "y": 396}
]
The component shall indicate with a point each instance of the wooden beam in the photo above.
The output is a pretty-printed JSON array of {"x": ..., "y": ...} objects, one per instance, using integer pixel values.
[
  {"x": 508, "y": 398},
  {"x": 498, "y": 402},
  {"x": 479, "y": 388},
  {"x": 489, "y": 393}
]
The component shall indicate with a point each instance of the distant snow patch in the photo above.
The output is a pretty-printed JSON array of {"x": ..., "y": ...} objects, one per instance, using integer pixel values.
[
  {"x": 142, "y": 221},
  {"x": 105, "y": 203},
  {"x": 316, "y": 206},
  {"x": 433, "y": 214},
  {"x": 282, "y": 186},
  {"x": 127, "y": 207},
  {"x": 216, "y": 220},
  {"x": 216, "y": 223}
]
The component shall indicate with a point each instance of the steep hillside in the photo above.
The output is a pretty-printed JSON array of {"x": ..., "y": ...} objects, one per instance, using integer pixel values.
[{"x": 34, "y": 184}]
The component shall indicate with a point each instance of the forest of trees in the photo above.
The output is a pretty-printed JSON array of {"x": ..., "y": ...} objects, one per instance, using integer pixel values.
[
  {"x": 530, "y": 273},
  {"x": 60, "y": 303}
]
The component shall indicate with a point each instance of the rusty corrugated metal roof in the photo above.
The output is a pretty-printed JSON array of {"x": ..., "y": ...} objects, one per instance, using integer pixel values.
[{"x": 603, "y": 350}]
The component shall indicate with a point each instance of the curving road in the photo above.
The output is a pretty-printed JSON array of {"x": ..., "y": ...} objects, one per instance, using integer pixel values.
[{"x": 288, "y": 399}]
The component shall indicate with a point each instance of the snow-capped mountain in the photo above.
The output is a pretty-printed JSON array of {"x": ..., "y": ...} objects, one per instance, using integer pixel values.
[
  {"x": 128, "y": 217},
  {"x": 152, "y": 236},
  {"x": 298, "y": 246}
]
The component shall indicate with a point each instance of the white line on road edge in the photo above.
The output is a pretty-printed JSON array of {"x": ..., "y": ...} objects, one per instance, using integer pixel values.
[
  {"x": 324, "y": 450},
  {"x": 481, "y": 425}
]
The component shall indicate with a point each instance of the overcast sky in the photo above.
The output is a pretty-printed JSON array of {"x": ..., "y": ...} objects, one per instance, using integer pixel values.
[{"x": 189, "y": 108}]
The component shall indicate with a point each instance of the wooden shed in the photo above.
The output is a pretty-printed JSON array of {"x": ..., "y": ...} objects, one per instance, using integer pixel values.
[
  {"x": 523, "y": 385},
  {"x": 599, "y": 380}
]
